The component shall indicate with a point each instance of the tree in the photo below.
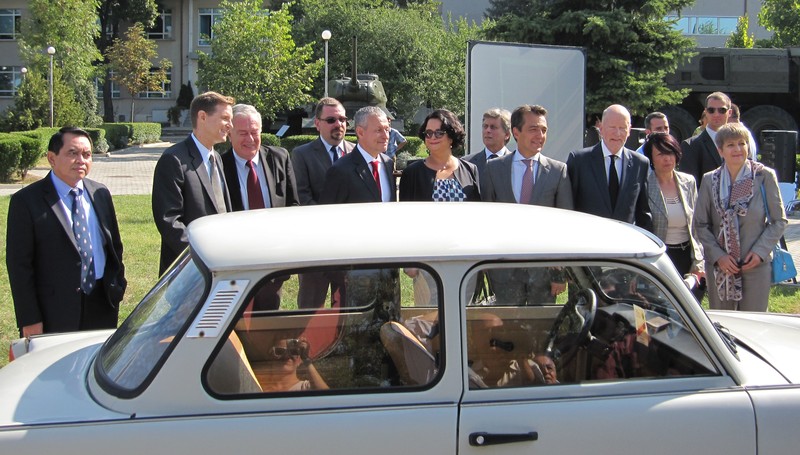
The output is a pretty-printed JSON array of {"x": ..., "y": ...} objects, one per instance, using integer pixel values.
[
  {"x": 130, "y": 59},
  {"x": 110, "y": 14},
  {"x": 741, "y": 36},
  {"x": 782, "y": 17},
  {"x": 418, "y": 55},
  {"x": 630, "y": 47},
  {"x": 70, "y": 26},
  {"x": 254, "y": 58}
]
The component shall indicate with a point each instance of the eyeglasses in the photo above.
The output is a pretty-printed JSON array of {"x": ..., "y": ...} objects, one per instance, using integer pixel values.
[
  {"x": 280, "y": 352},
  {"x": 438, "y": 134},
  {"x": 721, "y": 110},
  {"x": 332, "y": 120}
]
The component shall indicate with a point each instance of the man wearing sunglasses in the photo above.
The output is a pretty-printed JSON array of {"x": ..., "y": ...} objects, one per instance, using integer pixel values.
[
  {"x": 312, "y": 160},
  {"x": 700, "y": 155}
]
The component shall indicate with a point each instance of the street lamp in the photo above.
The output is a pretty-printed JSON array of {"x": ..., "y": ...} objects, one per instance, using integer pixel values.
[
  {"x": 51, "y": 51},
  {"x": 326, "y": 35}
]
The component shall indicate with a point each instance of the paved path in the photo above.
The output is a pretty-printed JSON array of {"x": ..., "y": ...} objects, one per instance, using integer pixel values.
[{"x": 130, "y": 171}]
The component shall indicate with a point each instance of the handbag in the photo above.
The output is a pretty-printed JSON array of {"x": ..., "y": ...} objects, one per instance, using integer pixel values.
[{"x": 783, "y": 267}]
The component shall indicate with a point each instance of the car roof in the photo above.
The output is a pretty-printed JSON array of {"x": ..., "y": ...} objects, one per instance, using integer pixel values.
[{"x": 382, "y": 232}]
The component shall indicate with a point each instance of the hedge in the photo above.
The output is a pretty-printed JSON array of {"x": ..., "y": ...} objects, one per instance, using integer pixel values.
[
  {"x": 10, "y": 154},
  {"x": 30, "y": 154},
  {"x": 117, "y": 134},
  {"x": 289, "y": 143},
  {"x": 98, "y": 136},
  {"x": 270, "y": 139},
  {"x": 121, "y": 134},
  {"x": 415, "y": 146}
]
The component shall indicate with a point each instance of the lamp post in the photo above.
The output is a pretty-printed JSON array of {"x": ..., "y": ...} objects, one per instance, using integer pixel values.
[
  {"x": 51, "y": 51},
  {"x": 326, "y": 35}
]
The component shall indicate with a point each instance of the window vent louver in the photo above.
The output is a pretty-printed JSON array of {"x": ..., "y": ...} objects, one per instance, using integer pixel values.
[{"x": 217, "y": 310}]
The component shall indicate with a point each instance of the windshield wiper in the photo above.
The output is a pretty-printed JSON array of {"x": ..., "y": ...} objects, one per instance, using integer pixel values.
[{"x": 729, "y": 339}]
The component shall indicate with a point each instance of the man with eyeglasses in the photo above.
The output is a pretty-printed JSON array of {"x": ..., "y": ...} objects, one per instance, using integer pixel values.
[
  {"x": 700, "y": 155},
  {"x": 312, "y": 160}
]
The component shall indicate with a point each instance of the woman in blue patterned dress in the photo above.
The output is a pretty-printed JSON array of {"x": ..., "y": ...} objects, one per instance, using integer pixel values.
[{"x": 441, "y": 176}]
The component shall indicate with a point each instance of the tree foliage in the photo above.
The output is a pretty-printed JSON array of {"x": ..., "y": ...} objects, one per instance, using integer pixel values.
[
  {"x": 70, "y": 26},
  {"x": 630, "y": 47},
  {"x": 741, "y": 37},
  {"x": 254, "y": 59},
  {"x": 131, "y": 59},
  {"x": 418, "y": 55},
  {"x": 782, "y": 17}
]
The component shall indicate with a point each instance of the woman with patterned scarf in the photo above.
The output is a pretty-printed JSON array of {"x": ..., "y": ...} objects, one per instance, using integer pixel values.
[{"x": 731, "y": 223}]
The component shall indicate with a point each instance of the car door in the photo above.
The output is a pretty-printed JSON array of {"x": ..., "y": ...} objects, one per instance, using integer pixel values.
[{"x": 656, "y": 391}]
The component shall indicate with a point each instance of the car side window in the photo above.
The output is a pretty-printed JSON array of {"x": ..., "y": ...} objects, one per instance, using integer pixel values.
[
  {"x": 546, "y": 324},
  {"x": 333, "y": 328}
]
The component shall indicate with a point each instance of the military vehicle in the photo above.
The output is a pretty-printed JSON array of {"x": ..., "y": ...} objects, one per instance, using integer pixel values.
[
  {"x": 765, "y": 83},
  {"x": 358, "y": 90}
]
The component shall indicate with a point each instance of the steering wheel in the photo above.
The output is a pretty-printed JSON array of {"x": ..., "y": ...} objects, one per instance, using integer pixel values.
[{"x": 570, "y": 330}]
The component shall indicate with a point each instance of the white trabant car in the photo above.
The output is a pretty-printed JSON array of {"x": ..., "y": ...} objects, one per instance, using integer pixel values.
[{"x": 413, "y": 328}]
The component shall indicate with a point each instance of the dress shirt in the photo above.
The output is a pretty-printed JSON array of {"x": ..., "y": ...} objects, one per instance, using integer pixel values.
[
  {"x": 204, "y": 153},
  {"x": 328, "y": 148},
  {"x": 617, "y": 164},
  {"x": 242, "y": 171},
  {"x": 385, "y": 188},
  {"x": 499, "y": 153},
  {"x": 95, "y": 236},
  {"x": 518, "y": 170}
]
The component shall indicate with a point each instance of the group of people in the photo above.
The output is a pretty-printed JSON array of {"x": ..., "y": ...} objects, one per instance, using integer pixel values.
[{"x": 705, "y": 198}]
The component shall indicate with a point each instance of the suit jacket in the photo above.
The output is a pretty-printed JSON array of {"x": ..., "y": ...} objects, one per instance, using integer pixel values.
[
  {"x": 587, "y": 174},
  {"x": 350, "y": 180},
  {"x": 181, "y": 194},
  {"x": 479, "y": 159},
  {"x": 552, "y": 187},
  {"x": 688, "y": 194},
  {"x": 416, "y": 183},
  {"x": 44, "y": 267},
  {"x": 277, "y": 167},
  {"x": 311, "y": 161},
  {"x": 700, "y": 155}
]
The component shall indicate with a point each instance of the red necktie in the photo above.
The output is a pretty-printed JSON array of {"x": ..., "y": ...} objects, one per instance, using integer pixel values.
[
  {"x": 255, "y": 199},
  {"x": 377, "y": 177}
]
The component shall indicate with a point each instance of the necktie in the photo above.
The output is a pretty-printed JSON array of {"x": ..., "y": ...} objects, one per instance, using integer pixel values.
[
  {"x": 613, "y": 182},
  {"x": 80, "y": 229},
  {"x": 255, "y": 200},
  {"x": 493, "y": 156},
  {"x": 335, "y": 151},
  {"x": 527, "y": 183},
  {"x": 377, "y": 178},
  {"x": 216, "y": 185}
]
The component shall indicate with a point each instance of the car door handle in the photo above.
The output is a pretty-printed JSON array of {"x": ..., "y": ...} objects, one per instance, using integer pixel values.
[{"x": 487, "y": 439}]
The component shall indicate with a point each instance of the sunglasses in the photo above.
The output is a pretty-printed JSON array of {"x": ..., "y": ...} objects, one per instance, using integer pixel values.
[
  {"x": 438, "y": 134},
  {"x": 332, "y": 120},
  {"x": 282, "y": 353},
  {"x": 721, "y": 110}
]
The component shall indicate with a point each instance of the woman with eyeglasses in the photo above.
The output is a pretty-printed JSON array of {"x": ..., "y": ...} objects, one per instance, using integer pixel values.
[
  {"x": 277, "y": 371},
  {"x": 672, "y": 197},
  {"x": 441, "y": 177},
  {"x": 739, "y": 218}
]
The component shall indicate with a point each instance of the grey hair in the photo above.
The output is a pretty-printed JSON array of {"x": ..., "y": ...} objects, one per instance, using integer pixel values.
[
  {"x": 246, "y": 109},
  {"x": 363, "y": 114}
]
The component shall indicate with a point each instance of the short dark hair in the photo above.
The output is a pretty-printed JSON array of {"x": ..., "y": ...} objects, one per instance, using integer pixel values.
[
  {"x": 57, "y": 140},
  {"x": 649, "y": 119},
  {"x": 328, "y": 101},
  {"x": 518, "y": 116},
  {"x": 450, "y": 125},
  {"x": 665, "y": 143},
  {"x": 208, "y": 102}
]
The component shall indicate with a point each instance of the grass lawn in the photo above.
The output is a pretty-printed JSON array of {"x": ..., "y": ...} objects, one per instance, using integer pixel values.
[{"x": 141, "y": 243}]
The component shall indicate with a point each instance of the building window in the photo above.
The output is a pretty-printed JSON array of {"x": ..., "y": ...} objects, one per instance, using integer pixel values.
[
  {"x": 166, "y": 88},
  {"x": 9, "y": 23},
  {"x": 98, "y": 86},
  {"x": 162, "y": 29},
  {"x": 704, "y": 25},
  {"x": 208, "y": 17},
  {"x": 10, "y": 78}
]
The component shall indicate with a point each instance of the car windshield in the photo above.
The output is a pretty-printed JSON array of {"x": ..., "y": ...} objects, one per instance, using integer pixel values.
[{"x": 136, "y": 350}]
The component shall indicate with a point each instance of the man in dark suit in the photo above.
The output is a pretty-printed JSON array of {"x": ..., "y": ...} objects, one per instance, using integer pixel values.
[
  {"x": 527, "y": 177},
  {"x": 366, "y": 174},
  {"x": 63, "y": 249},
  {"x": 258, "y": 177},
  {"x": 188, "y": 182},
  {"x": 250, "y": 165},
  {"x": 312, "y": 160},
  {"x": 608, "y": 179},
  {"x": 700, "y": 154},
  {"x": 496, "y": 132}
]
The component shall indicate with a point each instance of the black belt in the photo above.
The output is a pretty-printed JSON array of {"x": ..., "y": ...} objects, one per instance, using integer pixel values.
[{"x": 680, "y": 246}]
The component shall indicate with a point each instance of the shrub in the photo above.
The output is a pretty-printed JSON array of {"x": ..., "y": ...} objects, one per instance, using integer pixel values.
[
  {"x": 145, "y": 133},
  {"x": 10, "y": 153},
  {"x": 117, "y": 134},
  {"x": 98, "y": 136},
  {"x": 289, "y": 143},
  {"x": 270, "y": 139},
  {"x": 415, "y": 146},
  {"x": 185, "y": 95},
  {"x": 30, "y": 153}
]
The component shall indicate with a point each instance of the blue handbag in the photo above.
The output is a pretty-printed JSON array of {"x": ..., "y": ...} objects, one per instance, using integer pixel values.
[{"x": 783, "y": 268}]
